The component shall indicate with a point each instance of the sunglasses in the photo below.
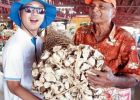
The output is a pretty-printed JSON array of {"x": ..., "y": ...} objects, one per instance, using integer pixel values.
[{"x": 30, "y": 9}]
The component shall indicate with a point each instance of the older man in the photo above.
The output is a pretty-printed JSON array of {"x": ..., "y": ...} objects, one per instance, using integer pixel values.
[{"x": 117, "y": 45}]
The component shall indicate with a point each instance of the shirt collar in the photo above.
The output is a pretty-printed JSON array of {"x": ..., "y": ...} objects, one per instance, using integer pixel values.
[
  {"x": 23, "y": 34},
  {"x": 113, "y": 32},
  {"x": 111, "y": 39}
]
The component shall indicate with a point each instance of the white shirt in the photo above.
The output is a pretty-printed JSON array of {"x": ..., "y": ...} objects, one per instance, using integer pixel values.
[{"x": 18, "y": 57}]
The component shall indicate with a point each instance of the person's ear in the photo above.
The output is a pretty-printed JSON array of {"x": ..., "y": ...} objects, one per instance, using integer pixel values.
[{"x": 113, "y": 12}]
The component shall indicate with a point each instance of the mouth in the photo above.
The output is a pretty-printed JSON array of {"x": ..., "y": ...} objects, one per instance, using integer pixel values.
[
  {"x": 33, "y": 20},
  {"x": 95, "y": 16}
]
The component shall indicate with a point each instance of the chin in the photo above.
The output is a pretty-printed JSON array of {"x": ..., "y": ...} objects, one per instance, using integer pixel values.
[
  {"x": 97, "y": 21},
  {"x": 33, "y": 29}
]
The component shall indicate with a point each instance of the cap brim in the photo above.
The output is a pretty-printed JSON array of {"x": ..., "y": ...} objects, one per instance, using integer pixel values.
[
  {"x": 50, "y": 15},
  {"x": 14, "y": 13}
]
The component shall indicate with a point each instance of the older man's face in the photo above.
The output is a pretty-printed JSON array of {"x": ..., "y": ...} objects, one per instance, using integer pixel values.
[{"x": 101, "y": 12}]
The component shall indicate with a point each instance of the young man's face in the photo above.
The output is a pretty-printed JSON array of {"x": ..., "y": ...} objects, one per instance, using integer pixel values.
[
  {"x": 32, "y": 15},
  {"x": 101, "y": 11}
]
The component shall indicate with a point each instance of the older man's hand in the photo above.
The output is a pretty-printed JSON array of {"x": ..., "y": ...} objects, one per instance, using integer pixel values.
[
  {"x": 102, "y": 78},
  {"x": 108, "y": 79}
]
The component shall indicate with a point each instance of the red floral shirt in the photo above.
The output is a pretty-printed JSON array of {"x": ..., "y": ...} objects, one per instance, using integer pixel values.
[{"x": 119, "y": 48}]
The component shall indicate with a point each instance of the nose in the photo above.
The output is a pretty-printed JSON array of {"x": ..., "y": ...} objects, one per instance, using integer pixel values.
[
  {"x": 34, "y": 12},
  {"x": 95, "y": 9}
]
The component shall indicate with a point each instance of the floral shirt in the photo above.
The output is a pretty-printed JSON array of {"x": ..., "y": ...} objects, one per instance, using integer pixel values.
[{"x": 119, "y": 48}]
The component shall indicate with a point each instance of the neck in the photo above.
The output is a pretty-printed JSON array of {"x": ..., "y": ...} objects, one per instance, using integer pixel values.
[
  {"x": 103, "y": 28},
  {"x": 28, "y": 31}
]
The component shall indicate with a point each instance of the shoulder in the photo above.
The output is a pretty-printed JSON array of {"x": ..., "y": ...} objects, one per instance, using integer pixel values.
[
  {"x": 124, "y": 34},
  {"x": 39, "y": 40},
  {"x": 12, "y": 47}
]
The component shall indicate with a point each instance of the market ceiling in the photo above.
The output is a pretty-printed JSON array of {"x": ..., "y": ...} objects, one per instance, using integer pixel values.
[{"x": 128, "y": 11}]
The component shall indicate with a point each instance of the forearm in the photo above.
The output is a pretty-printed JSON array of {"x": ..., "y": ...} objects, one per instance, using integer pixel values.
[
  {"x": 125, "y": 81},
  {"x": 21, "y": 92},
  {"x": 25, "y": 94}
]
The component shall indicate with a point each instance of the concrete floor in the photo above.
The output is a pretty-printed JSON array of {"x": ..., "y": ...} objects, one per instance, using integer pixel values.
[
  {"x": 1, "y": 86},
  {"x": 136, "y": 95},
  {"x": 1, "y": 79},
  {"x": 1, "y": 96}
]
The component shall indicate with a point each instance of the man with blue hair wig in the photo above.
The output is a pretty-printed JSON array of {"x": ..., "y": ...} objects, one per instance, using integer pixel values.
[{"x": 24, "y": 47}]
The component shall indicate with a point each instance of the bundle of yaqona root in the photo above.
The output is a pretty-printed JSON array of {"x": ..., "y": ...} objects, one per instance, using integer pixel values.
[{"x": 60, "y": 74}]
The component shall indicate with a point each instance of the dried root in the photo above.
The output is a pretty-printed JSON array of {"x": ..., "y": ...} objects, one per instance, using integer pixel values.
[
  {"x": 55, "y": 38},
  {"x": 60, "y": 75}
]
